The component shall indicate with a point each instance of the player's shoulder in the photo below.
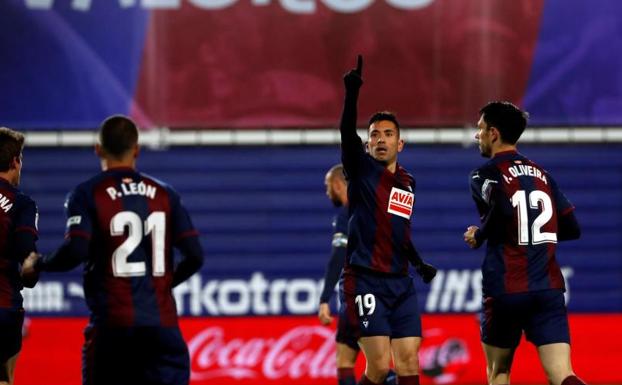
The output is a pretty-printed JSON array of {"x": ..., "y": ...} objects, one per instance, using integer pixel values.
[
  {"x": 156, "y": 181},
  {"x": 533, "y": 163},
  {"x": 159, "y": 183},
  {"x": 405, "y": 177},
  {"x": 86, "y": 186},
  {"x": 487, "y": 170},
  {"x": 341, "y": 219},
  {"x": 24, "y": 200},
  {"x": 90, "y": 183}
]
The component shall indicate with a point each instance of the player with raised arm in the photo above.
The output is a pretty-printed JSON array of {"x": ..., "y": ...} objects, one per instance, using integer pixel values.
[
  {"x": 18, "y": 234},
  {"x": 347, "y": 345},
  {"x": 122, "y": 225},
  {"x": 377, "y": 293},
  {"x": 523, "y": 215}
]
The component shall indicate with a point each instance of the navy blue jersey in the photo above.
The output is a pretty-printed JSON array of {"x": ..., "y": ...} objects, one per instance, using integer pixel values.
[
  {"x": 520, "y": 206},
  {"x": 18, "y": 233},
  {"x": 338, "y": 255},
  {"x": 131, "y": 221},
  {"x": 381, "y": 204}
]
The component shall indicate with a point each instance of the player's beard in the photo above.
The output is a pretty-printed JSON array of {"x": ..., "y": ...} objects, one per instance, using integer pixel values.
[{"x": 484, "y": 151}]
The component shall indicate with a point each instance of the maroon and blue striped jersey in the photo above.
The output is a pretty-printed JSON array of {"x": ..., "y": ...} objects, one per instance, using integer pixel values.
[
  {"x": 520, "y": 207},
  {"x": 18, "y": 234},
  {"x": 381, "y": 204},
  {"x": 132, "y": 221}
]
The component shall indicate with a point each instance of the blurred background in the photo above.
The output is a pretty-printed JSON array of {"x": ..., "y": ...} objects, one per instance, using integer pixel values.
[{"x": 238, "y": 103}]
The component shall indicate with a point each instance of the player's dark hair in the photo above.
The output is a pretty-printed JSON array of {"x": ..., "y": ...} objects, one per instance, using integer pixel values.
[
  {"x": 117, "y": 135},
  {"x": 11, "y": 146},
  {"x": 384, "y": 115},
  {"x": 507, "y": 118}
]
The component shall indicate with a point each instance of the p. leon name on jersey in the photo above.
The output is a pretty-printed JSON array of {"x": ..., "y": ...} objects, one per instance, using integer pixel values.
[
  {"x": 5, "y": 203},
  {"x": 129, "y": 187},
  {"x": 401, "y": 202},
  {"x": 520, "y": 169}
]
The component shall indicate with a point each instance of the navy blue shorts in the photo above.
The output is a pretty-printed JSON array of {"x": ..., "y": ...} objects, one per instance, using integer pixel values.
[
  {"x": 11, "y": 322},
  {"x": 346, "y": 335},
  {"x": 542, "y": 315},
  {"x": 375, "y": 304},
  {"x": 138, "y": 355}
]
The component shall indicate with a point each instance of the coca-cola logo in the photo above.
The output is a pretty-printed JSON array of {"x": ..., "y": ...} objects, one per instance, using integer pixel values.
[
  {"x": 443, "y": 358},
  {"x": 302, "y": 351}
]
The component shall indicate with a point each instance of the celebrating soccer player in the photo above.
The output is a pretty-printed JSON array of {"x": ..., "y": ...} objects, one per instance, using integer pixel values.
[
  {"x": 377, "y": 293},
  {"x": 524, "y": 214}
]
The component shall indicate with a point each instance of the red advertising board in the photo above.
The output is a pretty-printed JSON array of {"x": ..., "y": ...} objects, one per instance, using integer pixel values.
[
  {"x": 434, "y": 62},
  {"x": 297, "y": 350}
]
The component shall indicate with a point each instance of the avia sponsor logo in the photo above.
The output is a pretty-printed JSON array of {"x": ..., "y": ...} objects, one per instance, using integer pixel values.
[
  {"x": 443, "y": 358},
  {"x": 292, "y": 6},
  {"x": 401, "y": 202},
  {"x": 461, "y": 290},
  {"x": 303, "y": 351}
]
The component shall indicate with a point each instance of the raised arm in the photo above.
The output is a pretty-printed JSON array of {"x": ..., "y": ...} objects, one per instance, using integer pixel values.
[{"x": 351, "y": 144}]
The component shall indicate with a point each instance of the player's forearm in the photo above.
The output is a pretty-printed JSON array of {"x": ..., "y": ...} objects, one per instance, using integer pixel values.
[
  {"x": 568, "y": 227},
  {"x": 192, "y": 253},
  {"x": 24, "y": 243},
  {"x": 67, "y": 257},
  {"x": 333, "y": 270},
  {"x": 425, "y": 270},
  {"x": 351, "y": 144},
  {"x": 412, "y": 254}
]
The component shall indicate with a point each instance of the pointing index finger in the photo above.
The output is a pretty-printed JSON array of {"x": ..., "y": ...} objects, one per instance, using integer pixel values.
[{"x": 359, "y": 64}]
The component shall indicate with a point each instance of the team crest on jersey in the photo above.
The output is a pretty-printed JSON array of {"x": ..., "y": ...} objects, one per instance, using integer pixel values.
[
  {"x": 401, "y": 202},
  {"x": 75, "y": 220}
]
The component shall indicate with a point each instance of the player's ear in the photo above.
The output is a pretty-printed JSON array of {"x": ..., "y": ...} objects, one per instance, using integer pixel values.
[
  {"x": 367, "y": 146},
  {"x": 16, "y": 162},
  {"x": 400, "y": 145},
  {"x": 496, "y": 134},
  {"x": 99, "y": 151},
  {"x": 136, "y": 151}
]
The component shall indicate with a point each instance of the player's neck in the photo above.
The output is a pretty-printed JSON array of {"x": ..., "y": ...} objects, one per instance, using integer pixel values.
[
  {"x": 108, "y": 164},
  {"x": 502, "y": 148},
  {"x": 9, "y": 177},
  {"x": 344, "y": 199},
  {"x": 392, "y": 167}
]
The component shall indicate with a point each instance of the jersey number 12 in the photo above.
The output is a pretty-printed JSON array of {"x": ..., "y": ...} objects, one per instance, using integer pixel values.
[{"x": 537, "y": 200}]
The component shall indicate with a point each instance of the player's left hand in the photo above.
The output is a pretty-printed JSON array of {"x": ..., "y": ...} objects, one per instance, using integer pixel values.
[
  {"x": 29, "y": 274},
  {"x": 353, "y": 80},
  {"x": 426, "y": 271},
  {"x": 324, "y": 314},
  {"x": 469, "y": 236}
]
